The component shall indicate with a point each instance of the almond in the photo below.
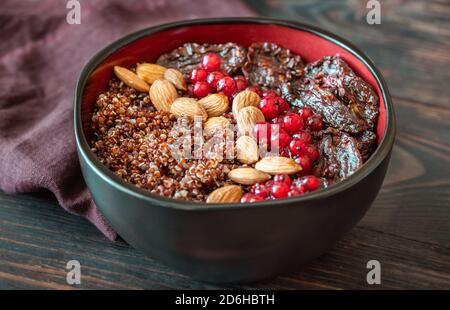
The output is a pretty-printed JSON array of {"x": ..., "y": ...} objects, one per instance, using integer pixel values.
[
  {"x": 278, "y": 165},
  {"x": 162, "y": 94},
  {"x": 150, "y": 72},
  {"x": 188, "y": 107},
  {"x": 215, "y": 104},
  {"x": 176, "y": 78},
  {"x": 247, "y": 150},
  {"x": 214, "y": 124},
  {"x": 248, "y": 176},
  {"x": 131, "y": 79},
  {"x": 247, "y": 118},
  {"x": 226, "y": 194},
  {"x": 243, "y": 99}
]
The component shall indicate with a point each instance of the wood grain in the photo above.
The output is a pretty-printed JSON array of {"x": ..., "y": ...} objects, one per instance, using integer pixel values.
[
  {"x": 414, "y": 201},
  {"x": 37, "y": 239},
  {"x": 410, "y": 46},
  {"x": 407, "y": 229}
]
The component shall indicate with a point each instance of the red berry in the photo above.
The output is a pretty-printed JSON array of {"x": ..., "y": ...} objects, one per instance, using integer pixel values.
[
  {"x": 262, "y": 131},
  {"x": 304, "y": 136},
  {"x": 295, "y": 192},
  {"x": 305, "y": 113},
  {"x": 305, "y": 162},
  {"x": 249, "y": 197},
  {"x": 312, "y": 152},
  {"x": 292, "y": 122},
  {"x": 210, "y": 62},
  {"x": 269, "y": 93},
  {"x": 284, "y": 106},
  {"x": 241, "y": 82},
  {"x": 297, "y": 147},
  {"x": 255, "y": 89},
  {"x": 299, "y": 185},
  {"x": 270, "y": 107},
  {"x": 312, "y": 183},
  {"x": 280, "y": 190},
  {"x": 201, "y": 89},
  {"x": 213, "y": 78},
  {"x": 283, "y": 138},
  {"x": 258, "y": 198},
  {"x": 278, "y": 121},
  {"x": 227, "y": 86},
  {"x": 282, "y": 178},
  {"x": 285, "y": 152},
  {"x": 198, "y": 75},
  {"x": 260, "y": 190},
  {"x": 315, "y": 123},
  {"x": 268, "y": 185}
]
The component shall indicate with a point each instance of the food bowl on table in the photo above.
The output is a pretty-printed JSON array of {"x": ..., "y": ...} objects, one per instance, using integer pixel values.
[{"x": 231, "y": 242}]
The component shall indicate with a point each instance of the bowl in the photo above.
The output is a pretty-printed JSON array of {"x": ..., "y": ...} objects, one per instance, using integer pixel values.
[{"x": 230, "y": 242}]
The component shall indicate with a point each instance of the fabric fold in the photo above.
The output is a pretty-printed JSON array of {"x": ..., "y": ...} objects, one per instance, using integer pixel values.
[{"x": 41, "y": 56}]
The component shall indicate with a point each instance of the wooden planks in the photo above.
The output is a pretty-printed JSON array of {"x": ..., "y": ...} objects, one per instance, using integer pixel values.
[
  {"x": 410, "y": 46},
  {"x": 37, "y": 239},
  {"x": 414, "y": 201}
]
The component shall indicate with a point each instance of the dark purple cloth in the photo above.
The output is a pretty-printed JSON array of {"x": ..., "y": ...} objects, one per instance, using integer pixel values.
[{"x": 41, "y": 56}]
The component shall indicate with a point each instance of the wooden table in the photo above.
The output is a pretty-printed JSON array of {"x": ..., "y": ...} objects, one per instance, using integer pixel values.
[{"x": 407, "y": 229}]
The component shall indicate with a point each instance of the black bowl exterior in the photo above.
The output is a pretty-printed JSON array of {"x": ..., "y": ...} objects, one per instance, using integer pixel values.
[
  {"x": 224, "y": 244},
  {"x": 234, "y": 245}
]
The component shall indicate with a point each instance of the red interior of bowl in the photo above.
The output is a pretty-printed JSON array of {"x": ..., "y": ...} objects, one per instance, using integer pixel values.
[{"x": 310, "y": 46}]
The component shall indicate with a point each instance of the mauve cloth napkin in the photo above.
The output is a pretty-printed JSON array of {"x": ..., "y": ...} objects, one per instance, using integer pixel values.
[{"x": 41, "y": 56}]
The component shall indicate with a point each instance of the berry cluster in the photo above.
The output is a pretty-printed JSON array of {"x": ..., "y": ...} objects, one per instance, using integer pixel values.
[
  {"x": 209, "y": 79},
  {"x": 282, "y": 186},
  {"x": 294, "y": 132},
  {"x": 293, "y": 135}
]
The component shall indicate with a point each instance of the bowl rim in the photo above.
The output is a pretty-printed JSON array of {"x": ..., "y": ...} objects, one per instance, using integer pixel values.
[{"x": 84, "y": 151}]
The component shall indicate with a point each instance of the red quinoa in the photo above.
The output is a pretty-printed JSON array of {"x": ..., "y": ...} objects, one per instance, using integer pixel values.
[{"x": 132, "y": 139}]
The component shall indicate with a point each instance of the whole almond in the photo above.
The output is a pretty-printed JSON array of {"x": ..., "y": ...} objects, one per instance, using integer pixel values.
[
  {"x": 247, "y": 150},
  {"x": 131, "y": 79},
  {"x": 247, "y": 118},
  {"x": 162, "y": 94},
  {"x": 176, "y": 78},
  {"x": 215, "y": 104},
  {"x": 248, "y": 176},
  {"x": 189, "y": 107},
  {"x": 245, "y": 98},
  {"x": 278, "y": 165},
  {"x": 214, "y": 124},
  {"x": 226, "y": 194},
  {"x": 150, "y": 72}
]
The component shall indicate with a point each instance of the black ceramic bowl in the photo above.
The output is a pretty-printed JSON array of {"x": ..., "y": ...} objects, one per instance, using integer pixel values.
[{"x": 232, "y": 242}]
